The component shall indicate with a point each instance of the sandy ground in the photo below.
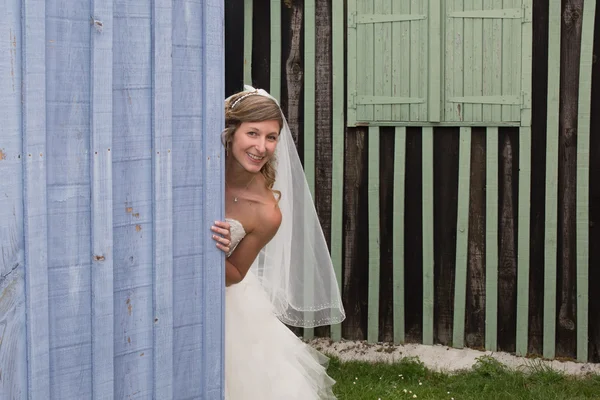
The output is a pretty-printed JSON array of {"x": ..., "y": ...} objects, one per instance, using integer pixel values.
[{"x": 441, "y": 358}]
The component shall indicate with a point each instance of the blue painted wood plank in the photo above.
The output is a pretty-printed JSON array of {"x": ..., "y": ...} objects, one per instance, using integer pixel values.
[
  {"x": 68, "y": 93},
  {"x": 132, "y": 196},
  {"x": 187, "y": 200},
  {"x": 102, "y": 199},
  {"x": 213, "y": 204},
  {"x": 162, "y": 200},
  {"x": 13, "y": 350}
]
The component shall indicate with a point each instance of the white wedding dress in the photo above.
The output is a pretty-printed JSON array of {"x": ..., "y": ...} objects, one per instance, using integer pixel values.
[{"x": 264, "y": 360}]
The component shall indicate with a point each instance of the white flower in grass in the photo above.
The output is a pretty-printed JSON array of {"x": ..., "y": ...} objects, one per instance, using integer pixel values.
[
  {"x": 405, "y": 391},
  {"x": 414, "y": 396}
]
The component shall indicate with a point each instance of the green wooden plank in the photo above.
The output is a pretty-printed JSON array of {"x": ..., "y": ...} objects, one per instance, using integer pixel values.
[
  {"x": 352, "y": 63},
  {"x": 554, "y": 19},
  {"x": 449, "y": 64},
  {"x": 366, "y": 65},
  {"x": 410, "y": 35},
  {"x": 487, "y": 67},
  {"x": 379, "y": 44},
  {"x": 468, "y": 39},
  {"x": 337, "y": 157},
  {"x": 248, "y": 13},
  {"x": 309, "y": 118},
  {"x": 275, "y": 69},
  {"x": 380, "y": 100},
  {"x": 497, "y": 61},
  {"x": 457, "y": 69},
  {"x": 523, "y": 235},
  {"x": 428, "y": 192},
  {"x": 374, "y": 244},
  {"x": 583, "y": 177},
  {"x": 516, "y": 51},
  {"x": 508, "y": 64},
  {"x": 506, "y": 13},
  {"x": 379, "y": 18},
  {"x": 498, "y": 100},
  {"x": 491, "y": 240},
  {"x": 400, "y": 63},
  {"x": 524, "y": 212},
  {"x": 477, "y": 75},
  {"x": 526, "y": 61},
  {"x": 398, "y": 233},
  {"x": 435, "y": 61},
  {"x": 462, "y": 237},
  {"x": 422, "y": 84}
]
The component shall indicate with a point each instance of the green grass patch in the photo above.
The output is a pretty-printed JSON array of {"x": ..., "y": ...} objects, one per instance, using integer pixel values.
[{"x": 488, "y": 379}]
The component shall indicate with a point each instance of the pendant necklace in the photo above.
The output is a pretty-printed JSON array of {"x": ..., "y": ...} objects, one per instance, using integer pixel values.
[{"x": 235, "y": 198}]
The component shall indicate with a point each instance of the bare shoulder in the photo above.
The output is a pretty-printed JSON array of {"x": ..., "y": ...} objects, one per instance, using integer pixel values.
[{"x": 269, "y": 218}]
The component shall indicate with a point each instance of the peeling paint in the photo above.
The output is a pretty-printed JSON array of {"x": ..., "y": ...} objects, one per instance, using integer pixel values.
[
  {"x": 129, "y": 210},
  {"x": 98, "y": 258},
  {"x": 129, "y": 306},
  {"x": 2, "y": 155},
  {"x": 138, "y": 228}
]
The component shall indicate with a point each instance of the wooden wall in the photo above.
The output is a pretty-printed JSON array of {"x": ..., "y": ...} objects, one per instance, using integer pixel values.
[{"x": 446, "y": 145}]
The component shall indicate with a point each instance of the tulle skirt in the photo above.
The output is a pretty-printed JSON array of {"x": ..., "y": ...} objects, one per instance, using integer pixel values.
[{"x": 264, "y": 360}]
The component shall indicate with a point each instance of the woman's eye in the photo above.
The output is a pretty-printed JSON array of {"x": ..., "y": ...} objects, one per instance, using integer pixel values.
[
  {"x": 252, "y": 133},
  {"x": 272, "y": 138}
]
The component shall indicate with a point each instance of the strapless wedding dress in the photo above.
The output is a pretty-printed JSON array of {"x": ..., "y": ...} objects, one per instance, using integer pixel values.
[{"x": 264, "y": 360}]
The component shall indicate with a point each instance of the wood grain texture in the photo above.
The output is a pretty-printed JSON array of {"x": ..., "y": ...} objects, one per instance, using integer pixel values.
[
  {"x": 101, "y": 143},
  {"x": 162, "y": 199},
  {"x": 213, "y": 173}
]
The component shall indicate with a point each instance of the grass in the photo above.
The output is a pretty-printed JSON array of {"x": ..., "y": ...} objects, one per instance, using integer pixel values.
[{"x": 488, "y": 379}]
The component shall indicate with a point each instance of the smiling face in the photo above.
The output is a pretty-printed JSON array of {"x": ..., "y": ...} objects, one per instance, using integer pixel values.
[{"x": 253, "y": 144}]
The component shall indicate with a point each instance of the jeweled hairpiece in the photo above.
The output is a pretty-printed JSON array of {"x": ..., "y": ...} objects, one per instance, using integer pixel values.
[{"x": 255, "y": 92}]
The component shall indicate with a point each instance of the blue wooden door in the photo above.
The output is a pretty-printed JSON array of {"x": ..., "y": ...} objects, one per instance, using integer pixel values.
[{"x": 110, "y": 176}]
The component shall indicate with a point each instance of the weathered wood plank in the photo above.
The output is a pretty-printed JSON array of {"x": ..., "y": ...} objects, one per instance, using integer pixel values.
[
  {"x": 475, "y": 298},
  {"x": 435, "y": 62},
  {"x": 275, "y": 70},
  {"x": 248, "y": 14},
  {"x": 213, "y": 286},
  {"x": 132, "y": 199},
  {"x": 445, "y": 184},
  {"x": 374, "y": 235},
  {"x": 324, "y": 125},
  {"x": 583, "y": 177},
  {"x": 398, "y": 233},
  {"x": 162, "y": 199},
  {"x": 35, "y": 212},
  {"x": 552, "y": 138},
  {"x": 491, "y": 240},
  {"x": 356, "y": 234},
  {"x": 101, "y": 103},
  {"x": 309, "y": 122},
  {"x": 17, "y": 374},
  {"x": 428, "y": 232},
  {"x": 188, "y": 219},
  {"x": 462, "y": 236},
  {"x": 68, "y": 162},
  {"x": 338, "y": 148},
  {"x": 523, "y": 240}
]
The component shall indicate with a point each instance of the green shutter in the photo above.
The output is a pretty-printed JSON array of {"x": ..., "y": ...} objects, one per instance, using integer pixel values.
[
  {"x": 457, "y": 62},
  {"x": 387, "y": 61},
  {"x": 483, "y": 60}
]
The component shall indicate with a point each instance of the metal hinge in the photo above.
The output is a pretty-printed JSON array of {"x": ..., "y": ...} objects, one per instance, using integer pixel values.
[{"x": 352, "y": 19}]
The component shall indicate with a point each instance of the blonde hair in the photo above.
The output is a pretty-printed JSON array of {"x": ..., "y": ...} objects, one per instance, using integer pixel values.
[{"x": 252, "y": 107}]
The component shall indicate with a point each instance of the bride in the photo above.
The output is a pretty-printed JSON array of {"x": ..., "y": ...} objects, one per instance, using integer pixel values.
[{"x": 278, "y": 268}]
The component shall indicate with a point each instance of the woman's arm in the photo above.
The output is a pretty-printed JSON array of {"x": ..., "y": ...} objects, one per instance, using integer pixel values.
[{"x": 238, "y": 264}]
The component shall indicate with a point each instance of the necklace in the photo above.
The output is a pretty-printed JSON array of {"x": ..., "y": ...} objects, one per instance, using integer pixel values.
[{"x": 235, "y": 198}]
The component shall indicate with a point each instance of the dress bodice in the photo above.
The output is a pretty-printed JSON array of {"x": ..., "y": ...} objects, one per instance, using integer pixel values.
[{"x": 237, "y": 233}]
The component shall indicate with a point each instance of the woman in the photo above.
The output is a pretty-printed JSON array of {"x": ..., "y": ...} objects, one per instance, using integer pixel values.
[{"x": 278, "y": 268}]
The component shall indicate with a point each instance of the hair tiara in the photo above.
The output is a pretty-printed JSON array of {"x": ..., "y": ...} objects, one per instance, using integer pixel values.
[{"x": 255, "y": 92}]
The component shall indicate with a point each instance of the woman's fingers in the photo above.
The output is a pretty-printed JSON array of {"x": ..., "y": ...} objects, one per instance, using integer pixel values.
[{"x": 222, "y": 235}]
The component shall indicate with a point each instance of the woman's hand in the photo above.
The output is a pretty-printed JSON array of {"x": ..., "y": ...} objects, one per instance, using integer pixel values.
[{"x": 222, "y": 235}]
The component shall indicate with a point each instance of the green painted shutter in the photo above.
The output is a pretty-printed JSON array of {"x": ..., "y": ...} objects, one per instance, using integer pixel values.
[
  {"x": 484, "y": 59},
  {"x": 457, "y": 62},
  {"x": 388, "y": 67}
]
